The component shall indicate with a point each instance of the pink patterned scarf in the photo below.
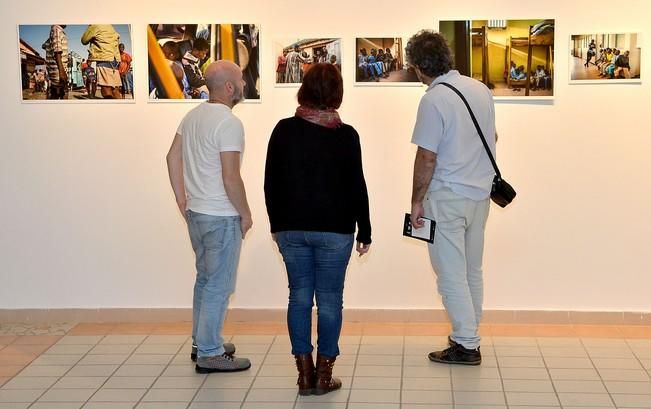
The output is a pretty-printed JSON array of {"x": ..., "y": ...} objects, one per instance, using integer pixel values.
[{"x": 324, "y": 117}]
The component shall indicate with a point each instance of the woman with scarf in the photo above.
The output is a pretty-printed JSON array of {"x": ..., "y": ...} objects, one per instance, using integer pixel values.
[{"x": 316, "y": 195}]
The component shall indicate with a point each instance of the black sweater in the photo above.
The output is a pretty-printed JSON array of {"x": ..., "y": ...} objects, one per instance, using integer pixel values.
[{"x": 314, "y": 179}]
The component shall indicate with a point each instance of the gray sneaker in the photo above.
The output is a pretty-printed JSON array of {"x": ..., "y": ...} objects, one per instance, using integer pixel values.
[
  {"x": 229, "y": 349},
  {"x": 221, "y": 363}
]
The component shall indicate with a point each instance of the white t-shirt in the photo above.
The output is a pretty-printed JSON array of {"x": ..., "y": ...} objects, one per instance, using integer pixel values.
[
  {"x": 444, "y": 126},
  {"x": 207, "y": 130}
]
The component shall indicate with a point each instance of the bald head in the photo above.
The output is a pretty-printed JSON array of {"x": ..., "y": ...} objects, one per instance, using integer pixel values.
[{"x": 219, "y": 73}]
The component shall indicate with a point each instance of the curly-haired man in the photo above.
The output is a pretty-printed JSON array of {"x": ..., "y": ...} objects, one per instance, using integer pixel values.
[{"x": 452, "y": 184}]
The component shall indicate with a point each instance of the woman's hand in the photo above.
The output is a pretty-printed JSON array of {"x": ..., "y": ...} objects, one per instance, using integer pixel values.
[{"x": 362, "y": 248}]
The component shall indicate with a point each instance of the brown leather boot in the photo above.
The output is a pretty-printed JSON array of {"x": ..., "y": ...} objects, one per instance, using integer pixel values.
[
  {"x": 306, "y": 375},
  {"x": 324, "y": 381}
]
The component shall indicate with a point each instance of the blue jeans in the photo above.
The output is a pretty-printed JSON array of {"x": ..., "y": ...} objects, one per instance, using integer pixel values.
[
  {"x": 216, "y": 241},
  {"x": 316, "y": 266}
]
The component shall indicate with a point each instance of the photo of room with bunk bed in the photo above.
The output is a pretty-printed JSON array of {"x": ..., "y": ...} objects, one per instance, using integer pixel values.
[{"x": 514, "y": 58}]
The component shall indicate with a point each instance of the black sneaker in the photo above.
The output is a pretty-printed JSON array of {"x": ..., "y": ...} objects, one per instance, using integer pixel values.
[
  {"x": 229, "y": 349},
  {"x": 451, "y": 343},
  {"x": 458, "y": 355}
]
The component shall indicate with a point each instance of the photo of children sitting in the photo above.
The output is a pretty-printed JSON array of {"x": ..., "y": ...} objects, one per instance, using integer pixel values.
[
  {"x": 381, "y": 60},
  {"x": 616, "y": 57}
]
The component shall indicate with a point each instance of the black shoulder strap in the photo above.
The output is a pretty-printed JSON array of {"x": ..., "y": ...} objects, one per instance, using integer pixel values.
[{"x": 474, "y": 121}]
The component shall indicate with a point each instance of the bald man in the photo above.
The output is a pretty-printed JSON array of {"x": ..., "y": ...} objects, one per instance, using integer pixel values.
[{"x": 204, "y": 170}]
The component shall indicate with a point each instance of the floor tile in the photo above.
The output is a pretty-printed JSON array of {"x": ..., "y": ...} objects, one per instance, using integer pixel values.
[
  {"x": 363, "y": 382},
  {"x": 378, "y": 371},
  {"x": 130, "y": 382},
  {"x": 357, "y": 405},
  {"x": 122, "y": 339},
  {"x": 597, "y": 352},
  {"x": 151, "y": 359},
  {"x": 215, "y": 405},
  {"x": 57, "y": 359},
  {"x": 426, "y": 384},
  {"x": 633, "y": 388},
  {"x": 50, "y": 370},
  {"x": 525, "y": 373},
  {"x": 382, "y": 340},
  {"x": 278, "y": 370},
  {"x": 252, "y": 339},
  {"x": 375, "y": 396},
  {"x": 580, "y": 386},
  {"x": 92, "y": 370},
  {"x": 321, "y": 405},
  {"x": 80, "y": 382},
  {"x": 178, "y": 382},
  {"x": 591, "y": 400},
  {"x": 433, "y": 406},
  {"x": 162, "y": 405},
  {"x": 616, "y": 363},
  {"x": 118, "y": 395},
  {"x": 67, "y": 395},
  {"x": 220, "y": 395},
  {"x": 574, "y": 374},
  {"x": 68, "y": 349},
  {"x": 477, "y": 385},
  {"x": 338, "y": 396},
  {"x": 432, "y": 371},
  {"x": 272, "y": 395},
  {"x": 632, "y": 401},
  {"x": 516, "y": 351},
  {"x": 140, "y": 370},
  {"x": 20, "y": 395},
  {"x": 562, "y": 352},
  {"x": 631, "y": 375},
  {"x": 268, "y": 405},
  {"x": 109, "y": 405},
  {"x": 57, "y": 405},
  {"x": 365, "y": 360},
  {"x": 478, "y": 398},
  {"x": 237, "y": 382},
  {"x": 518, "y": 385},
  {"x": 468, "y": 372},
  {"x": 158, "y": 349},
  {"x": 427, "y": 397},
  {"x": 10, "y": 370},
  {"x": 380, "y": 349},
  {"x": 79, "y": 340},
  {"x": 28, "y": 382},
  {"x": 120, "y": 349},
  {"x": 37, "y": 340},
  {"x": 103, "y": 359},
  {"x": 568, "y": 363},
  {"x": 520, "y": 362},
  {"x": 166, "y": 339},
  {"x": 169, "y": 395},
  {"x": 527, "y": 398}
]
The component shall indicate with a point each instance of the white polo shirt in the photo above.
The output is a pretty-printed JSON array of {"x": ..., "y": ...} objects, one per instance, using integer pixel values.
[
  {"x": 207, "y": 130},
  {"x": 444, "y": 126}
]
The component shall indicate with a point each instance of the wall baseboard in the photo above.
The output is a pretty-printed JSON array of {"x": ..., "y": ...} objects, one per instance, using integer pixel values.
[{"x": 74, "y": 315}]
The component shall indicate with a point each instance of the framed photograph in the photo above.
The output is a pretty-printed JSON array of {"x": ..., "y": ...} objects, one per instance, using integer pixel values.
[
  {"x": 605, "y": 58},
  {"x": 514, "y": 58},
  {"x": 294, "y": 56},
  {"x": 381, "y": 61},
  {"x": 180, "y": 53},
  {"x": 76, "y": 63}
]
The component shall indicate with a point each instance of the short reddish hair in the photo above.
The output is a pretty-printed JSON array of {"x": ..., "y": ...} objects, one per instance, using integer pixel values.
[{"x": 322, "y": 88}]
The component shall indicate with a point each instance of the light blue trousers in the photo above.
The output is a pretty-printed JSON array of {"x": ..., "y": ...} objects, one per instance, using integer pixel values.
[
  {"x": 456, "y": 257},
  {"x": 216, "y": 241}
]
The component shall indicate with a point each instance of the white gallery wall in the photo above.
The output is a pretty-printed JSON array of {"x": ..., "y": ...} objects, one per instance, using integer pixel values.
[{"x": 88, "y": 219}]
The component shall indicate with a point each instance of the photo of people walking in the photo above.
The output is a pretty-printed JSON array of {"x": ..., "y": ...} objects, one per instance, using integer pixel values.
[
  {"x": 595, "y": 58},
  {"x": 76, "y": 62},
  {"x": 179, "y": 55},
  {"x": 294, "y": 57},
  {"x": 382, "y": 60}
]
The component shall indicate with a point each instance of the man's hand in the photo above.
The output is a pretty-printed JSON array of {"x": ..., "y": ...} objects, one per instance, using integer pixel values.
[
  {"x": 63, "y": 75},
  {"x": 417, "y": 213},
  {"x": 362, "y": 248},
  {"x": 182, "y": 203},
  {"x": 245, "y": 225}
]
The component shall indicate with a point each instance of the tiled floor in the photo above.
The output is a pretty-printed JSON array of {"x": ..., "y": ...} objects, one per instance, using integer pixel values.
[{"x": 117, "y": 367}]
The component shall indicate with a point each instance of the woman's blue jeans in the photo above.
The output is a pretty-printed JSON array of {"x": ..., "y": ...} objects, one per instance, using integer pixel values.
[{"x": 316, "y": 268}]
